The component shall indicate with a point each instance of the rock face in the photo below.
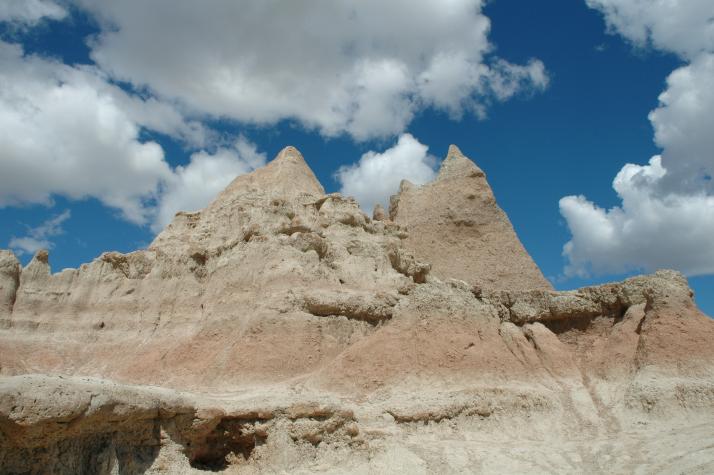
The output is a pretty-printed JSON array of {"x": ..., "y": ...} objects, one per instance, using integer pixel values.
[
  {"x": 9, "y": 281},
  {"x": 283, "y": 330},
  {"x": 455, "y": 223}
]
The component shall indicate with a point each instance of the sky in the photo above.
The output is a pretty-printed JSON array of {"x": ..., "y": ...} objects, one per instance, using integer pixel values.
[{"x": 591, "y": 118}]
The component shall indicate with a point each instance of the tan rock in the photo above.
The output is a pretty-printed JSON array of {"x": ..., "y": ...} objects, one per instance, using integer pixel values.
[
  {"x": 9, "y": 281},
  {"x": 281, "y": 330},
  {"x": 379, "y": 214},
  {"x": 455, "y": 224}
]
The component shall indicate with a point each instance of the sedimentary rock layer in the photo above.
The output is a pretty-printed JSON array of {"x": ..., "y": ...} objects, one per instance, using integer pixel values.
[{"x": 282, "y": 329}]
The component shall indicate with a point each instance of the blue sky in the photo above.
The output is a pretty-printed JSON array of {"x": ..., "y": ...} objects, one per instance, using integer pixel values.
[{"x": 558, "y": 98}]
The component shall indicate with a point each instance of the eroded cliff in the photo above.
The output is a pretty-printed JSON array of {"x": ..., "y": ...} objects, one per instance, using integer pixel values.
[{"x": 282, "y": 329}]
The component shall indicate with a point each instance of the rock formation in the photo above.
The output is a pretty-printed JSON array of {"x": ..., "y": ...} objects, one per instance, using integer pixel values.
[
  {"x": 460, "y": 229},
  {"x": 281, "y": 329}
]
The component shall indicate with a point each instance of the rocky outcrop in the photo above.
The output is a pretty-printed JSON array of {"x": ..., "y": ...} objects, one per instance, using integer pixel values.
[
  {"x": 368, "y": 307},
  {"x": 609, "y": 300},
  {"x": 281, "y": 329},
  {"x": 89, "y": 426},
  {"x": 455, "y": 224},
  {"x": 9, "y": 281},
  {"x": 270, "y": 196}
]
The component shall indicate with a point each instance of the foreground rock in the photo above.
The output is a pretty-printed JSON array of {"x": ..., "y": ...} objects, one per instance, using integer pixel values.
[{"x": 282, "y": 329}]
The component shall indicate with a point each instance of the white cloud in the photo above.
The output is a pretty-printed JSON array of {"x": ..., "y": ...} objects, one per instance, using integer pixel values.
[
  {"x": 63, "y": 133},
  {"x": 66, "y": 131},
  {"x": 506, "y": 79},
  {"x": 39, "y": 237},
  {"x": 377, "y": 176},
  {"x": 684, "y": 126},
  {"x": 454, "y": 84},
  {"x": 666, "y": 218},
  {"x": 159, "y": 116},
  {"x": 647, "y": 232},
  {"x": 194, "y": 186},
  {"x": 29, "y": 12},
  {"x": 362, "y": 67},
  {"x": 682, "y": 27}
]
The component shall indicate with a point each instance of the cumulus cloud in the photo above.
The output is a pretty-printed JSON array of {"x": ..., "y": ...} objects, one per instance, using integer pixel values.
[
  {"x": 39, "y": 237},
  {"x": 650, "y": 230},
  {"x": 29, "y": 12},
  {"x": 377, "y": 176},
  {"x": 363, "y": 67},
  {"x": 67, "y": 131},
  {"x": 666, "y": 218},
  {"x": 62, "y": 134},
  {"x": 194, "y": 186},
  {"x": 684, "y": 126}
]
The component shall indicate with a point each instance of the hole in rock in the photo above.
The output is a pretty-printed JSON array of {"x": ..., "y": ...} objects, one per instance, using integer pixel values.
[
  {"x": 574, "y": 323},
  {"x": 598, "y": 324},
  {"x": 228, "y": 443}
]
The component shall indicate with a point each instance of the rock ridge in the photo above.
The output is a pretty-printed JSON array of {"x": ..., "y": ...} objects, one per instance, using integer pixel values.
[{"x": 281, "y": 329}]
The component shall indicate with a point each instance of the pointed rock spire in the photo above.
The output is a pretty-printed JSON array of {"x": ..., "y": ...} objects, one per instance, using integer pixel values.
[
  {"x": 289, "y": 153},
  {"x": 456, "y": 164},
  {"x": 454, "y": 150},
  {"x": 286, "y": 178},
  {"x": 288, "y": 173},
  {"x": 38, "y": 267},
  {"x": 455, "y": 224}
]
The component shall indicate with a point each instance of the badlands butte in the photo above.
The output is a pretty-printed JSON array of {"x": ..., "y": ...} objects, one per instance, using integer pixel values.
[{"x": 282, "y": 330}]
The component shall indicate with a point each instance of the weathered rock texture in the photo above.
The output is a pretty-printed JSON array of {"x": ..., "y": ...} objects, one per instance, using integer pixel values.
[
  {"x": 455, "y": 223},
  {"x": 9, "y": 281},
  {"x": 283, "y": 330}
]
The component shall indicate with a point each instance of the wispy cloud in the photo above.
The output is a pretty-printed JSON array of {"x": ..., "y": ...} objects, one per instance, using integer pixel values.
[{"x": 39, "y": 237}]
